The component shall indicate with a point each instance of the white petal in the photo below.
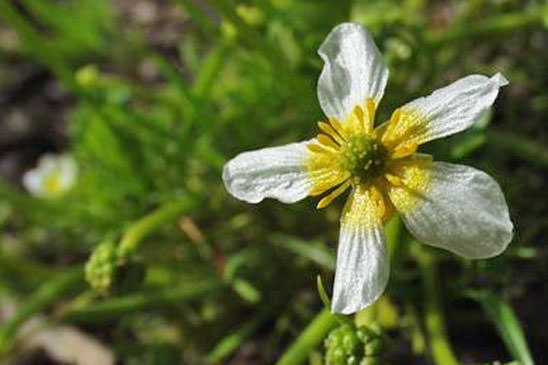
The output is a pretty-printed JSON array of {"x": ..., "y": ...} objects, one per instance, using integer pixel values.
[
  {"x": 68, "y": 170},
  {"x": 48, "y": 162},
  {"x": 451, "y": 109},
  {"x": 455, "y": 207},
  {"x": 276, "y": 172},
  {"x": 354, "y": 70},
  {"x": 362, "y": 264},
  {"x": 32, "y": 181}
]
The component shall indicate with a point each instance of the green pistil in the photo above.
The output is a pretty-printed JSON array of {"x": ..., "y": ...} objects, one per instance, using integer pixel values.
[{"x": 363, "y": 157}]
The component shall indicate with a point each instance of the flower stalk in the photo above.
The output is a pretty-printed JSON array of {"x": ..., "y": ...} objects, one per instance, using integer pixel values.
[
  {"x": 440, "y": 345},
  {"x": 311, "y": 337},
  {"x": 149, "y": 223},
  {"x": 131, "y": 303}
]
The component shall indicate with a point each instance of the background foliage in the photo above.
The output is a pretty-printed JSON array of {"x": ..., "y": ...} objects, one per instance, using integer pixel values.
[{"x": 153, "y": 97}]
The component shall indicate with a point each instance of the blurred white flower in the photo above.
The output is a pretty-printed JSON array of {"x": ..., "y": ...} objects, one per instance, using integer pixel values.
[
  {"x": 54, "y": 176},
  {"x": 450, "y": 206}
]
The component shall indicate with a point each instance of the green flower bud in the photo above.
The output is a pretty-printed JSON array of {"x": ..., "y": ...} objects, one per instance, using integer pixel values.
[
  {"x": 87, "y": 76},
  {"x": 343, "y": 347},
  {"x": 374, "y": 347},
  {"x": 351, "y": 345},
  {"x": 107, "y": 273},
  {"x": 101, "y": 267}
]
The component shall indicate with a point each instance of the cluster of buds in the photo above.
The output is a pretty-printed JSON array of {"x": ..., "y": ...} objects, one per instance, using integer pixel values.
[
  {"x": 101, "y": 267},
  {"x": 107, "y": 271},
  {"x": 351, "y": 345}
]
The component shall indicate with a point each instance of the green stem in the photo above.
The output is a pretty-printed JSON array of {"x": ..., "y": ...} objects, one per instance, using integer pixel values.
[
  {"x": 440, "y": 344},
  {"x": 149, "y": 223},
  {"x": 519, "y": 146},
  {"x": 45, "y": 295},
  {"x": 211, "y": 67},
  {"x": 114, "y": 308},
  {"x": 393, "y": 239},
  {"x": 311, "y": 337}
]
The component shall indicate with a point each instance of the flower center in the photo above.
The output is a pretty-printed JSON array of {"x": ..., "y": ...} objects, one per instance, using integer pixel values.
[
  {"x": 363, "y": 157},
  {"x": 53, "y": 182}
]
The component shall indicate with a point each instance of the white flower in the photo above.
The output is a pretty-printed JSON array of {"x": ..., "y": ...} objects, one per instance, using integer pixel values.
[
  {"x": 454, "y": 207},
  {"x": 54, "y": 176}
]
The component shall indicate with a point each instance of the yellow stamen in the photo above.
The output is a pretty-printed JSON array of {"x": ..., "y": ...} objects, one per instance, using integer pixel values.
[
  {"x": 358, "y": 112},
  {"x": 326, "y": 182},
  {"x": 326, "y": 200},
  {"x": 328, "y": 129},
  {"x": 393, "y": 179},
  {"x": 370, "y": 103},
  {"x": 327, "y": 141},
  {"x": 320, "y": 148},
  {"x": 388, "y": 135},
  {"x": 337, "y": 126},
  {"x": 408, "y": 128},
  {"x": 323, "y": 166},
  {"x": 405, "y": 149},
  {"x": 319, "y": 189},
  {"x": 314, "y": 147}
]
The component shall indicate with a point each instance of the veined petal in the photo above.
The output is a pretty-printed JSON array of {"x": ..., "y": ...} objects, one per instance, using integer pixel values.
[
  {"x": 354, "y": 71},
  {"x": 362, "y": 264},
  {"x": 276, "y": 172},
  {"x": 446, "y": 111},
  {"x": 454, "y": 207}
]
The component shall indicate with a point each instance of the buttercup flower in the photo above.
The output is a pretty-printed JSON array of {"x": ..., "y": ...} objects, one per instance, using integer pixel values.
[
  {"x": 54, "y": 176},
  {"x": 454, "y": 207}
]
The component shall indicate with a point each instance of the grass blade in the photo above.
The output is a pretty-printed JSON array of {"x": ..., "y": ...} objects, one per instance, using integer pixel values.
[{"x": 503, "y": 316}]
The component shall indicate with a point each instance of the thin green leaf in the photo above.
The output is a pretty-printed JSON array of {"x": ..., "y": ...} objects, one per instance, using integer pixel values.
[
  {"x": 503, "y": 316},
  {"x": 309, "y": 250}
]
